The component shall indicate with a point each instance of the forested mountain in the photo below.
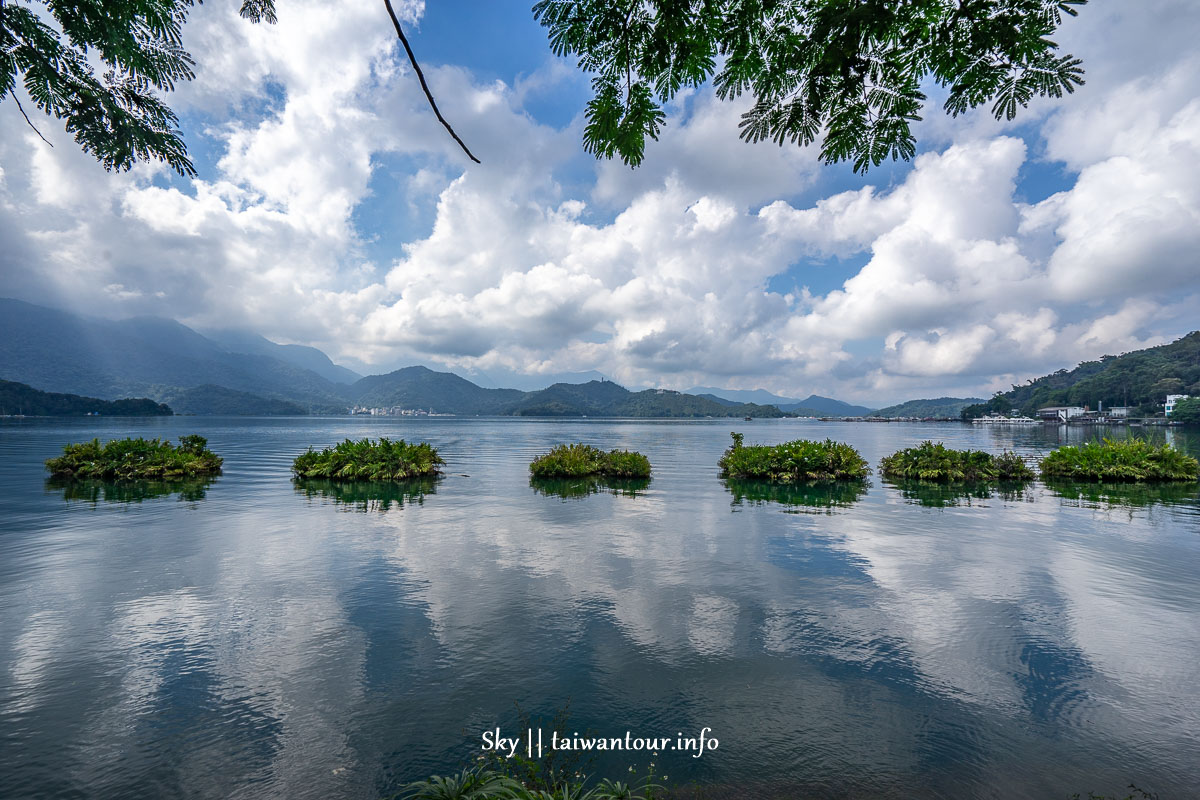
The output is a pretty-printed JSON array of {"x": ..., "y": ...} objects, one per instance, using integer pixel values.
[
  {"x": 146, "y": 356},
  {"x": 812, "y": 406},
  {"x": 937, "y": 407},
  {"x": 297, "y": 355},
  {"x": 759, "y": 396},
  {"x": 211, "y": 399},
  {"x": 827, "y": 407},
  {"x": 608, "y": 399},
  {"x": 20, "y": 398},
  {"x": 446, "y": 393},
  {"x": 422, "y": 388},
  {"x": 1141, "y": 379}
]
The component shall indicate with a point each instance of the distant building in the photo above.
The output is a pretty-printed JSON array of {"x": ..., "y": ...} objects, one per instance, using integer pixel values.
[
  {"x": 1172, "y": 399},
  {"x": 1062, "y": 413},
  {"x": 1118, "y": 412}
]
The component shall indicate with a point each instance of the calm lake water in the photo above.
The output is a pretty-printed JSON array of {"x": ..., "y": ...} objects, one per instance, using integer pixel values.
[{"x": 254, "y": 639}]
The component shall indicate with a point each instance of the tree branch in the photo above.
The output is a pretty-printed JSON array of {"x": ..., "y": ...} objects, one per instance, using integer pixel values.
[
  {"x": 28, "y": 121},
  {"x": 421, "y": 77}
]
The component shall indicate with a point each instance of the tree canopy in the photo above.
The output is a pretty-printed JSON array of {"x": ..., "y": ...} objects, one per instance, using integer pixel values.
[
  {"x": 118, "y": 117},
  {"x": 848, "y": 73}
]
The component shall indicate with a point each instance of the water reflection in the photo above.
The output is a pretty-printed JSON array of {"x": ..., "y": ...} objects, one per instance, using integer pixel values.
[
  {"x": 946, "y": 495},
  {"x": 824, "y": 495},
  {"x": 369, "y": 495},
  {"x": 571, "y": 488},
  {"x": 95, "y": 491},
  {"x": 1131, "y": 495},
  {"x": 883, "y": 651}
]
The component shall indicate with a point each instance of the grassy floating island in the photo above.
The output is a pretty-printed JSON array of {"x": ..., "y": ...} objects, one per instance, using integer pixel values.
[
  {"x": 1127, "y": 461},
  {"x": 136, "y": 459},
  {"x": 936, "y": 462},
  {"x": 800, "y": 461},
  {"x": 385, "y": 460},
  {"x": 580, "y": 460}
]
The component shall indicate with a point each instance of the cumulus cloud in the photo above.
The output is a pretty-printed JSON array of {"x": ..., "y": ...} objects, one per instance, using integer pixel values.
[{"x": 665, "y": 275}]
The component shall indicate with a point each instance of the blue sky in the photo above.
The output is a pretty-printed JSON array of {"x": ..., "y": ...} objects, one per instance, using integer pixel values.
[{"x": 331, "y": 209}]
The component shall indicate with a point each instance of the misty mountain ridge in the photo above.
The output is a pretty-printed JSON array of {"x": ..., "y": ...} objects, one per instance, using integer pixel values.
[
  {"x": 299, "y": 355},
  {"x": 234, "y": 371}
]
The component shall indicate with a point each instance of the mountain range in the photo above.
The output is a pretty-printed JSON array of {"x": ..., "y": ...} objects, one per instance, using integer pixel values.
[
  {"x": 937, "y": 407},
  {"x": 812, "y": 406},
  {"x": 235, "y": 372}
]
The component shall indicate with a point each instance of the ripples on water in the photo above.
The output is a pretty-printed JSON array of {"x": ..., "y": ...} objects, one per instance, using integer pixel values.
[{"x": 260, "y": 637}]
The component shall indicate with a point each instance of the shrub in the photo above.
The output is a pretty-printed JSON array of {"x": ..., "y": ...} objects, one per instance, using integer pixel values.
[
  {"x": 578, "y": 460},
  {"x": 936, "y": 462},
  {"x": 481, "y": 783},
  {"x": 1128, "y": 460},
  {"x": 792, "y": 462},
  {"x": 136, "y": 459},
  {"x": 365, "y": 460}
]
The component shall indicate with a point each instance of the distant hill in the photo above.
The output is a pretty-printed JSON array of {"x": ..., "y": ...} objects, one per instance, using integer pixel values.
[
  {"x": 309, "y": 358},
  {"x": 827, "y": 407},
  {"x": 20, "y": 398},
  {"x": 813, "y": 406},
  {"x": 234, "y": 372},
  {"x": 145, "y": 356},
  {"x": 760, "y": 396},
  {"x": 937, "y": 407},
  {"x": 210, "y": 399},
  {"x": 1141, "y": 379},
  {"x": 608, "y": 399},
  {"x": 716, "y": 399},
  {"x": 498, "y": 378},
  {"x": 446, "y": 393},
  {"x": 422, "y": 388}
]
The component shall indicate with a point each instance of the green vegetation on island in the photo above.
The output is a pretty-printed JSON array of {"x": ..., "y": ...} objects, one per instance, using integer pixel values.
[
  {"x": 21, "y": 398},
  {"x": 482, "y": 783},
  {"x": 135, "y": 459},
  {"x": 365, "y": 460},
  {"x": 1140, "y": 380},
  {"x": 579, "y": 460},
  {"x": 793, "y": 462},
  {"x": 1124, "y": 461},
  {"x": 936, "y": 462},
  {"x": 212, "y": 399}
]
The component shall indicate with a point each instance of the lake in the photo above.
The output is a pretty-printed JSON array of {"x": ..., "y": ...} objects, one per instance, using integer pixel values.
[{"x": 251, "y": 638}]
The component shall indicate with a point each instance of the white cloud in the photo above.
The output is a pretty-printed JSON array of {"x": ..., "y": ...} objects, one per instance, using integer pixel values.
[{"x": 660, "y": 275}]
